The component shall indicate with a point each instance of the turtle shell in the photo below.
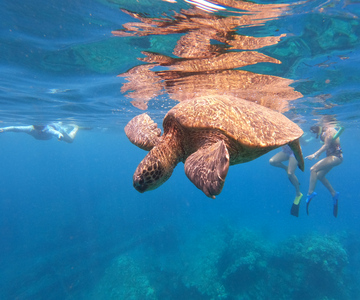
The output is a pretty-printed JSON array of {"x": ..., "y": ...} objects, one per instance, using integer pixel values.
[{"x": 247, "y": 123}]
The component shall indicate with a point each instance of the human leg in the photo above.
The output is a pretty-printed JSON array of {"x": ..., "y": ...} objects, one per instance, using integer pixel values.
[
  {"x": 295, "y": 182},
  {"x": 334, "y": 194},
  {"x": 321, "y": 165},
  {"x": 332, "y": 161},
  {"x": 277, "y": 159},
  {"x": 26, "y": 129},
  {"x": 291, "y": 174},
  {"x": 327, "y": 184},
  {"x": 318, "y": 171}
]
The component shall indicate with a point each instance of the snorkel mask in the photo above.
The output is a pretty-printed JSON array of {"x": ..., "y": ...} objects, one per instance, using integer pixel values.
[{"x": 316, "y": 129}]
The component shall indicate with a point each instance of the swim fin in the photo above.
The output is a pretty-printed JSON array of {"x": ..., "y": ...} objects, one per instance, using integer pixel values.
[
  {"x": 295, "y": 206},
  {"x": 336, "y": 202},
  {"x": 308, "y": 200}
]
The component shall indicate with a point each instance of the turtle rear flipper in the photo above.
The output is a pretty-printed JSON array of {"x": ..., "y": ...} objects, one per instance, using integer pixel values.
[
  {"x": 207, "y": 168},
  {"x": 143, "y": 132},
  {"x": 295, "y": 147}
]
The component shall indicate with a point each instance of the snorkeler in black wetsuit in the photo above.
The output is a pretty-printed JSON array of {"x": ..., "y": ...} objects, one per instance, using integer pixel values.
[{"x": 334, "y": 157}]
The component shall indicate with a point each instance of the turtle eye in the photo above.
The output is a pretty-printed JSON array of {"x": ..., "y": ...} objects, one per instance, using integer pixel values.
[{"x": 141, "y": 181}]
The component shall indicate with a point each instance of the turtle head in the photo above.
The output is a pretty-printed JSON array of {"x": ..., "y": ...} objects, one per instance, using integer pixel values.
[
  {"x": 150, "y": 174},
  {"x": 159, "y": 163}
]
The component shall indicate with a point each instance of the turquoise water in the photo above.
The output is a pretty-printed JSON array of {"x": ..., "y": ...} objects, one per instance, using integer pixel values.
[{"x": 71, "y": 224}]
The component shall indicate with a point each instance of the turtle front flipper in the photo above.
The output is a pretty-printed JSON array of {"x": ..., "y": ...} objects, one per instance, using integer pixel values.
[
  {"x": 207, "y": 168},
  {"x": 143, "y": 132},
  {"x": 296, "y": 148}
]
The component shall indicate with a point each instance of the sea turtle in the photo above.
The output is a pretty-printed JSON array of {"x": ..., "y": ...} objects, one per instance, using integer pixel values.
[{"x": 208, "y": 134}]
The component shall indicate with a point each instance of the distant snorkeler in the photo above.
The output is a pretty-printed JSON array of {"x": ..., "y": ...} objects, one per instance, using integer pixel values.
[
  {"x": 329, "y": 134},
  {"x": 62, "y": 132},
  {"x": 286, "y": 154}
]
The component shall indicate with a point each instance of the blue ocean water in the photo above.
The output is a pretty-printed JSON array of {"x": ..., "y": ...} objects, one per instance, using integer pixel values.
[{"x": 71, "y": 224}]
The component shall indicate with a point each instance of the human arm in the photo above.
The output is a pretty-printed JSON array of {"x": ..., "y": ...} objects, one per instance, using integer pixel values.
[
  {"x": 317, "y": 153},
  {"x": 328, "y": 140},
  {"x": 55, "y": 133}
]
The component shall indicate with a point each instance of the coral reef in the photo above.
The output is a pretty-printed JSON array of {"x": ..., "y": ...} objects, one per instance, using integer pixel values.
[
  {"x": 201, "y": 257},
  {"x": 124, "y": 279},
  {"x": 227, "y": 262},
  {"x": 316, "y": 264}
]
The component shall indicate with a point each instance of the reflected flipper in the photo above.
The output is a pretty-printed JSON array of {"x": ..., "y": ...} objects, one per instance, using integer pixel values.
[{"x": 207, "y": 168}]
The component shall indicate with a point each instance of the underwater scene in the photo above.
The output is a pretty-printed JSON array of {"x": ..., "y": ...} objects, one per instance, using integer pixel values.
[{"x": 180, "y": 149}]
